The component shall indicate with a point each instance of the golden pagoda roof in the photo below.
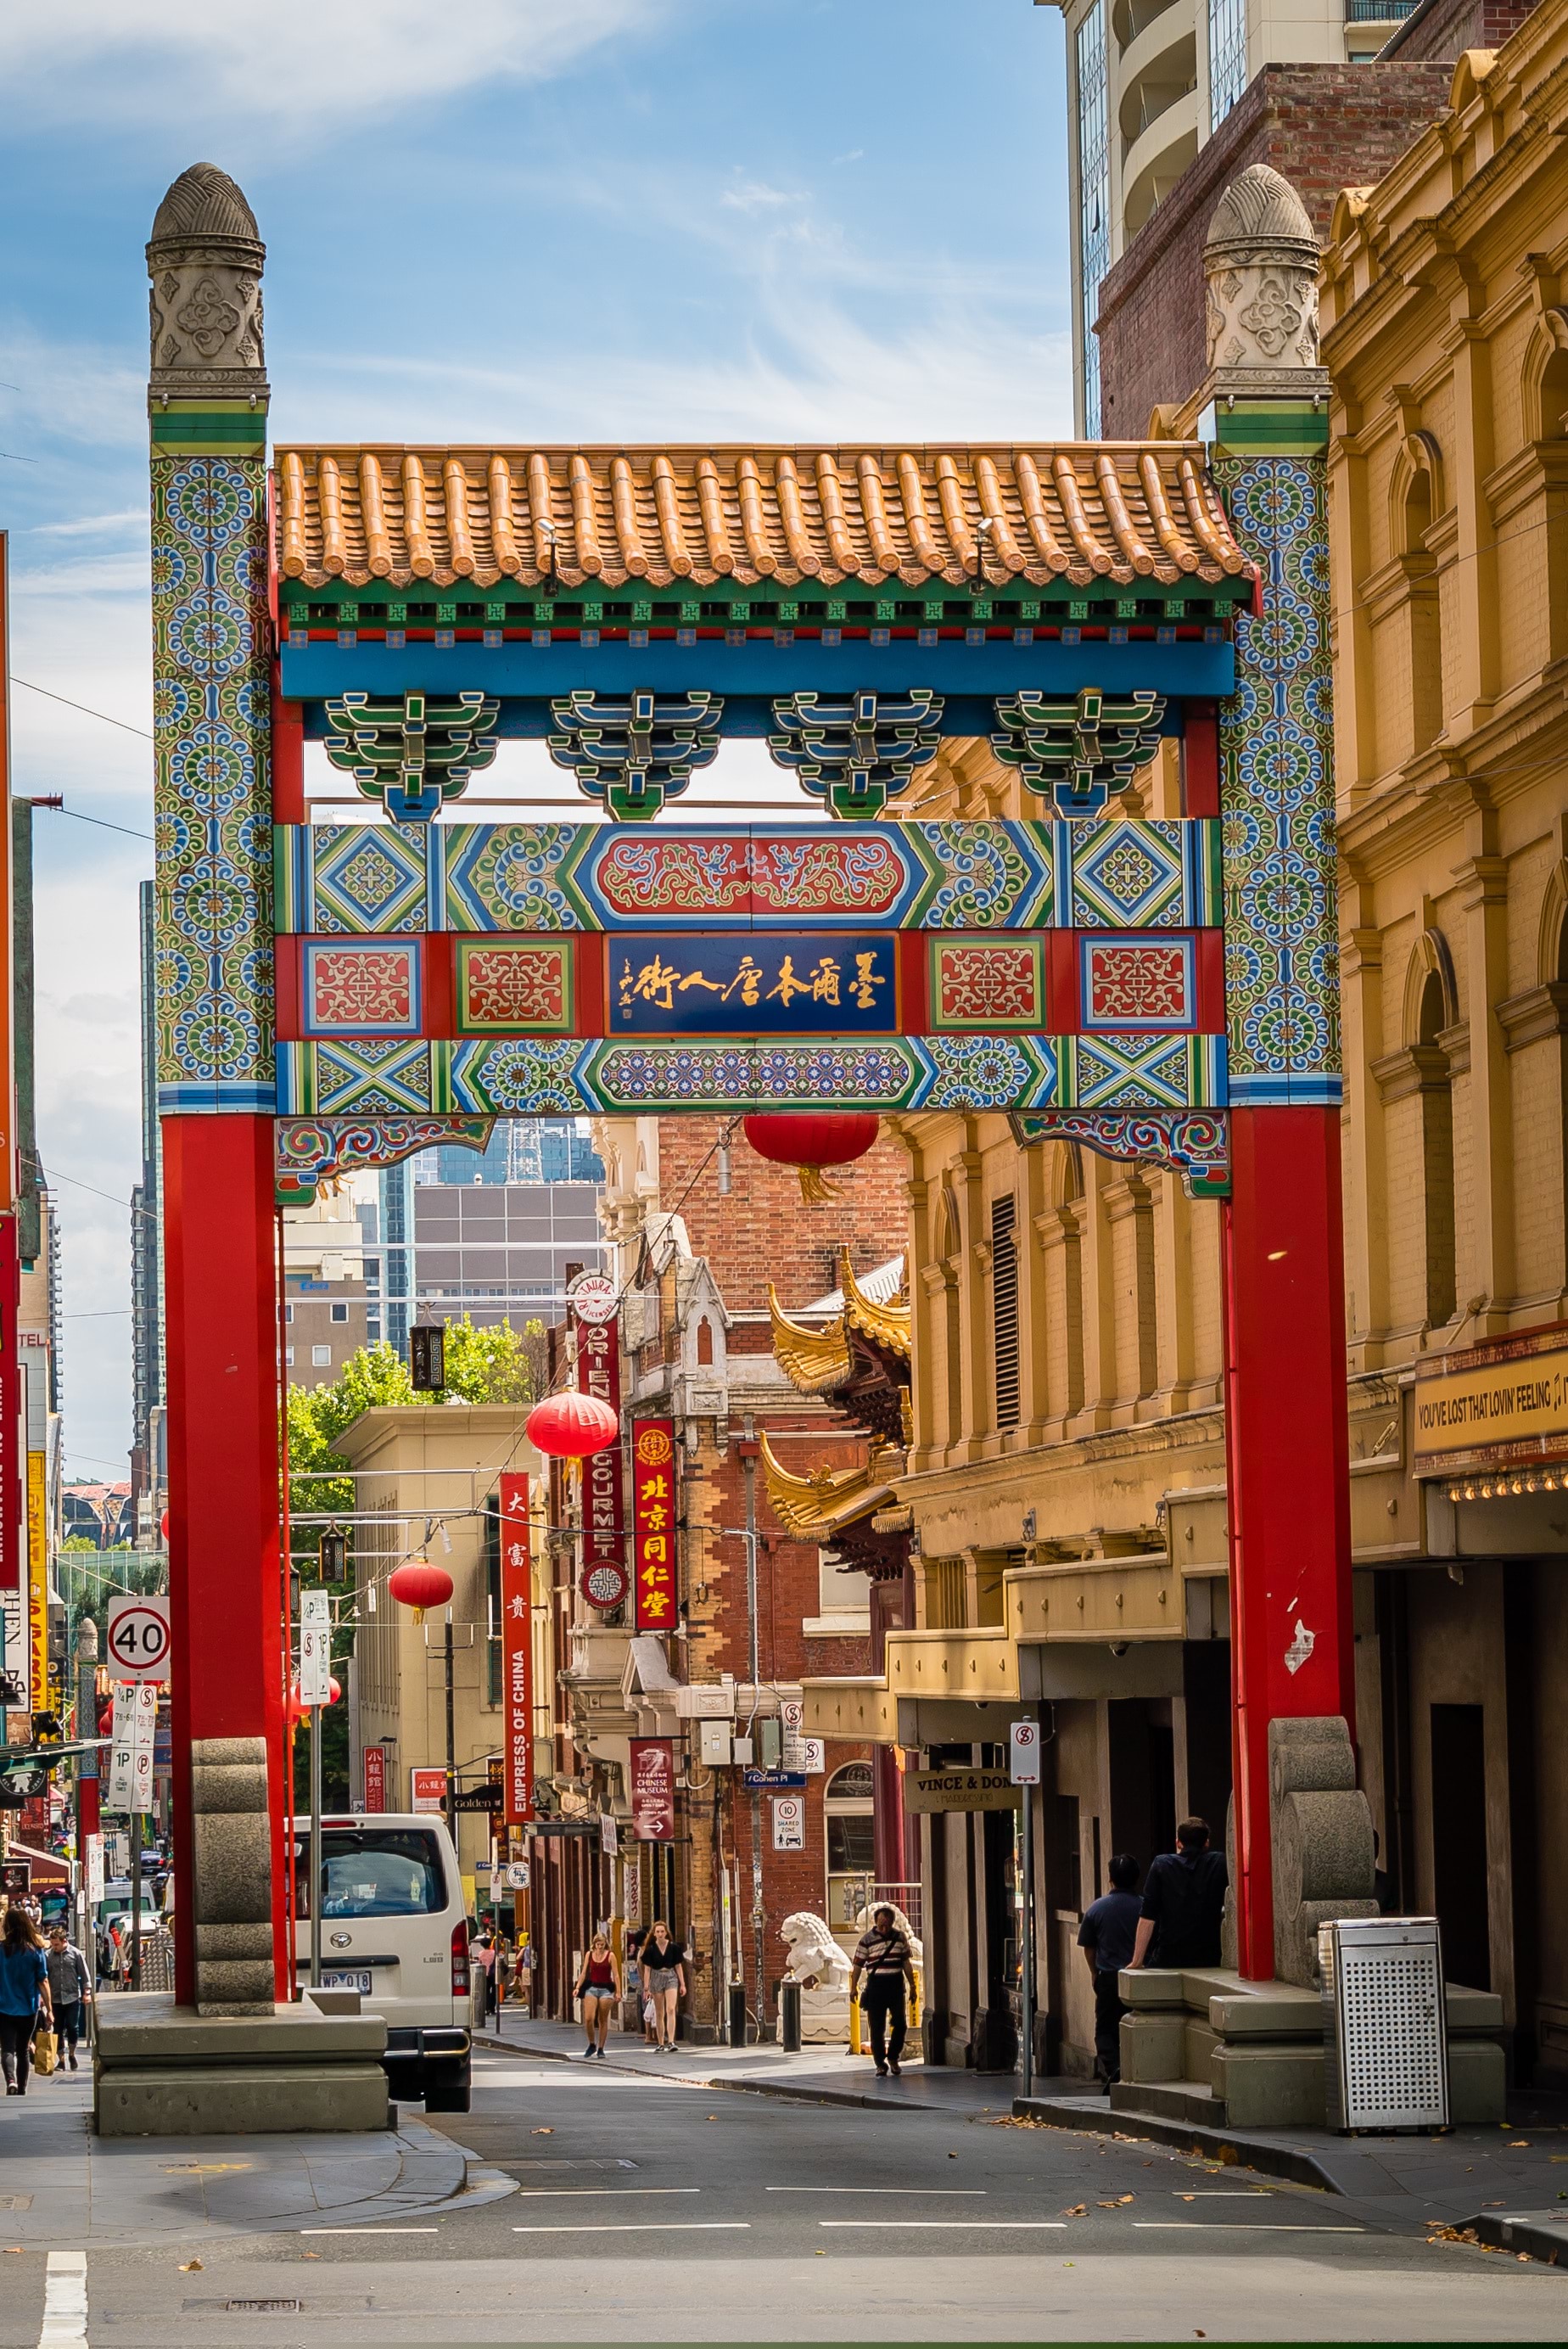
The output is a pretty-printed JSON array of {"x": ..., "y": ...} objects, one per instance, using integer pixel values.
[
  {"x": 887, "y": 1326},
  {"x": 811, "y": 1360},
  {"x": 1119, "y": 510},
  {"x": 818, "y": 1506}
]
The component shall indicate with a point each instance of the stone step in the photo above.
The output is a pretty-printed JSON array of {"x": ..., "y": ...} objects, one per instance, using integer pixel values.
[{"x": 1170, "y": 2100}]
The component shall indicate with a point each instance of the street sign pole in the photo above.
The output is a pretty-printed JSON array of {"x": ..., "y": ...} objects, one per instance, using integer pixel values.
[
  {"x": 317, "y": 1872},
  {"x": 1024, "y": 1769}
]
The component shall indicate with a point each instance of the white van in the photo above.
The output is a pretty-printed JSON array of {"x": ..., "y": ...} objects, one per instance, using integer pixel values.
[{"x": 393, "y": 1928}]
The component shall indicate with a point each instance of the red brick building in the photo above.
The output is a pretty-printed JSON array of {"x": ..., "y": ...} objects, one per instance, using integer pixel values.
[{"x": 699, "y": 1230}]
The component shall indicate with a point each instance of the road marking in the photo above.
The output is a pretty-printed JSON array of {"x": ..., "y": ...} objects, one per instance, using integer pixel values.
[
  {"x": 1224, "y": 2194},
  {"x": 944, "y": 2191},
  {"x": 558, "y": 2193},
  {"x": 65, "y": 2300},
  {"x": 368, "y": 2231},
  {"x": 1032, "y": 2226},
  {"x": 650, "y": 2227},
  {"x": 1247, "y": 2227}
]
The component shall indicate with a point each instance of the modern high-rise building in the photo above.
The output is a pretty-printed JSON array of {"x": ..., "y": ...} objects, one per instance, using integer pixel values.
[
  {"x": 492, "y": 1234},
  {"x": 1148, "y": 83}
]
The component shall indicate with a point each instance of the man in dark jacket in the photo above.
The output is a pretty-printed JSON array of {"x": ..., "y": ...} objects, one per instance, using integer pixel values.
[
  {"x": 1107, "y": 1937},
  {"x": 1183, "y": 1902}
]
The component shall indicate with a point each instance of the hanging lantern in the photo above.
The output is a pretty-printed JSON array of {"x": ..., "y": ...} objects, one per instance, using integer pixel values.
[
  {"x": 419, "y": 1584},
  {"x": 571, "y": 1425},
  {"x": 810, "y": 1140}
]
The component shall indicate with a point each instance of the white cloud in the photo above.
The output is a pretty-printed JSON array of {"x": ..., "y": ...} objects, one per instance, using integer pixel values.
[
  {"x": 93, "y": 526},
  {"x": 755, "y": 195},
  {"x": 293, "y": 63}
]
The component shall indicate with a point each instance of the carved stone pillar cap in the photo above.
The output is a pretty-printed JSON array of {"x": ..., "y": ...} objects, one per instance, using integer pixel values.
[
  {"x": 1260, "y": 212},
  {"x": 205, "y": 208}
]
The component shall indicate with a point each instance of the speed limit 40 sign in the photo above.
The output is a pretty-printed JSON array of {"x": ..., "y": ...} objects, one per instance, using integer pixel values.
[{"x": 138, "y": 1639}]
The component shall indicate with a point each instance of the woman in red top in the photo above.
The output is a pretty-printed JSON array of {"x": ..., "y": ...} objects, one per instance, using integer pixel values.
[{"x": 597, "y": 1984}]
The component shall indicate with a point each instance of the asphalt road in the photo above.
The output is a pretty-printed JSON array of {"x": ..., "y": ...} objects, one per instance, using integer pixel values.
[{"x": 651, "y": 2210}]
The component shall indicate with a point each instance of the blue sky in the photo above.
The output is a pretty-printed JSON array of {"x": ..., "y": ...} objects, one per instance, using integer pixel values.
[{"x": 498, "y": 220}]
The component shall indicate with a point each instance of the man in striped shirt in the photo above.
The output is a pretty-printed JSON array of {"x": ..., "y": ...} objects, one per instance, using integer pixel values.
[{"x": 883, "y": 1955}]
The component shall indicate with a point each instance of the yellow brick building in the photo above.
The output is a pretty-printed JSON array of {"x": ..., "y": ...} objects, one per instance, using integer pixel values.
[{"x": 1065, "y": 1483}]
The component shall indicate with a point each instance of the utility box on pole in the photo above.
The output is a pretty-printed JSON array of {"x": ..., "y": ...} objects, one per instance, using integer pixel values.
[{"x": 1385, "y": 2026}]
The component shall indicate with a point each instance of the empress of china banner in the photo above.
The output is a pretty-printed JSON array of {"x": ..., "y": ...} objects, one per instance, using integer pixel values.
[{"x": 517, "y": 1647}]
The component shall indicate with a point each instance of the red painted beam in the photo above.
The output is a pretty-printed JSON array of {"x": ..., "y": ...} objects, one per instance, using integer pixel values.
[
  {"x": 1287, "y": 1466},
  {"x": 224, "y": 1570}
]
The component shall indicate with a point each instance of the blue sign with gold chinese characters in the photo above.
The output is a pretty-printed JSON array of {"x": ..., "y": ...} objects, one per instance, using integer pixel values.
[{"x": 822, "y": 982}]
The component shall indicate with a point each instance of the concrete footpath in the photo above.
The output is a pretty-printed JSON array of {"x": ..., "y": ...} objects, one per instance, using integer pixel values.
[
  {"x": 1507, "y": 2183},
  {"x": 58, "y": 2183},
  {"x": 823, "y": 2076}
]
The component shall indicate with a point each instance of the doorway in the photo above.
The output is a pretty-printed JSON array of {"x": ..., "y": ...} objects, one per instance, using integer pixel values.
[{"x": 1458, "y": 1842}]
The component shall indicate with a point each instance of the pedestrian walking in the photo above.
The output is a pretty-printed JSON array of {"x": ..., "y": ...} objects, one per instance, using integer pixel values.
[
  {"x": 883, "y": 1955},
  {"x": 665, "y": 1977},
  {"x": 1183, "y": 1902},
  {"x": 70, "y": 1988},
  {"x": 485, "y": 1955},
  {"x": 24, "y": 1996},
  {"x": 598, "y": 1984},
  {"x": 1107, "y": 1937}
]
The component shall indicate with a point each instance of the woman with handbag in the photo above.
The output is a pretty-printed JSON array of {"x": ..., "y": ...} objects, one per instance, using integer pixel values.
[
  {"x": 24, "y": 1996},
  {"x": 598, "y": 1984},
  {"x": 664, "y": 1973}
]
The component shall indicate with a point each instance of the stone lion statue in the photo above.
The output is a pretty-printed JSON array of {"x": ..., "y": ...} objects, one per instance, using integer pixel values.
[
  {"x": 816, "y": 1960},
  {"x": 820, "y": 1966}
]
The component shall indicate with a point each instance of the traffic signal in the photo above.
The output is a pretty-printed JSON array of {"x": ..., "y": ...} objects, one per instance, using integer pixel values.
[{"x": 428, "y": 1360}]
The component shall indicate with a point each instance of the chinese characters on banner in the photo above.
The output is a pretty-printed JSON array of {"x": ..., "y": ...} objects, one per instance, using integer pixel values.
[
  {"x": 834, "y": 982},
  {"x": 654, "y": 1789},
  {"x": 604, "y": 1489},
  {"x": 375, "y": 1777},
  {"x": 517, "y": 1647},
  {"x": 38, "y": 1572},
  {"x": 654, "y": 1522}
]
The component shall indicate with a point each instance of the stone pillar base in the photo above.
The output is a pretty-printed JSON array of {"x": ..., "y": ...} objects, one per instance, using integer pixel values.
[{"x": 167, "y": 2071}]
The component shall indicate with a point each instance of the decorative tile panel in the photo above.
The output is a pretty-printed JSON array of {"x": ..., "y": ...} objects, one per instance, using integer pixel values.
[
  {"x": 1143, "y": 1072},
  {"x": 310, "y": 1151},
  {"x": 1136, "y": 875},
  {"x": 986, "y": 875},
  {"x": 353, "y": 879},
  {"x": 851, "y": 875},
  {"x": 377, "y": 1077},
  {"x": 1196, "y": 1141},
  {"x": 1276, "y": 794},
  {"x": 506, "y": 984},
  {"x": 989, "y": 983},
  {"x": 362, "y": 988},
  {"x": 1136, "y": 983},
  {"x": 213, "y": 785},
  {"x": 510, "y": 877}
]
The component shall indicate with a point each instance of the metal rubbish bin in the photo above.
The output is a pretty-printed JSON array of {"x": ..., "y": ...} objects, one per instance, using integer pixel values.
[{"x": 1385, "y": 2026}]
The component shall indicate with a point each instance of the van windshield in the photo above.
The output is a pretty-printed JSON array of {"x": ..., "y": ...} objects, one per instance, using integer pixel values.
[{"x": 374, "y": 1872}]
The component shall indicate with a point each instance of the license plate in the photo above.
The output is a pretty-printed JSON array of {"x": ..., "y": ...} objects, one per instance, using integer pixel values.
[{"x": 346, "y": 1982}]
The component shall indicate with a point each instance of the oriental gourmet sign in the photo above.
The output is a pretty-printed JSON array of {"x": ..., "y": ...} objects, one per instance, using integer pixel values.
[
  {"x": 603, "y": 1583},
  {"x": 654, "y": 1522},
  {"x": 1493, "y": 1406},
  {"x": 517, "y": 1648}
]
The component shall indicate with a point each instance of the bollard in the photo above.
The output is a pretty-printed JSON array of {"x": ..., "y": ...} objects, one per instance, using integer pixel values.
[
  {"x": 789, "y": 2017},
  {"x": 738, "y": 2014},
  {"x": 857, "y": 2043}
]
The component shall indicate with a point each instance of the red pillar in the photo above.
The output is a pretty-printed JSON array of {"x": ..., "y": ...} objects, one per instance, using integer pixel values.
[
  {"x": 224, "y": 1571},
  {"x": 1287, "y": 1466}
]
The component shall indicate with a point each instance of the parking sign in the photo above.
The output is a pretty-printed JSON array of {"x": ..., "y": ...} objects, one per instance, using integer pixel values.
[{"x": 1025, "y": 1765}]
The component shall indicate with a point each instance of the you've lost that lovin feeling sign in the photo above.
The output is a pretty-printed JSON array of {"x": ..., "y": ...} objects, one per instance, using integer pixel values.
[{"x": 1493, "y": 1406}]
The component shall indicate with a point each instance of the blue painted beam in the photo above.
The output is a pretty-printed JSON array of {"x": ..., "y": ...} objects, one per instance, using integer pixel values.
[{"x": 525, "y": 677}]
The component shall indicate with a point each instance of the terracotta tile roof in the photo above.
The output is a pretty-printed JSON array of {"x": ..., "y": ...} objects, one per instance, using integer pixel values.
[{"x": 1078, "y": 511}]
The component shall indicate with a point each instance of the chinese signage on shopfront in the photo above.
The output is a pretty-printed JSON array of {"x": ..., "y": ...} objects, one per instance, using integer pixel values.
[{"x": 654, "y": 1522}]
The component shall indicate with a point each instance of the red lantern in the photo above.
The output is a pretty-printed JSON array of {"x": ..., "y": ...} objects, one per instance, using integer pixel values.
[
  {"x": 810, "y": 1142},
  {"x": 299, "y": 1710},
  {"x": 571, "y": 1425},
  {"x": 419, "y": 1584}
]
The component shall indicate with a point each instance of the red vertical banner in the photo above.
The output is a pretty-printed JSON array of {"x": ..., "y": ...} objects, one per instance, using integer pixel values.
[
  {"x": 654, "y": 1789},
  {"x": 12, "y": 1536},
  {"x": 375, "y": 1777},
  {"x": 654, "y": 1522},
  {"x": 517, "y": 1647},
  {"x": 603, "y": 1581}
]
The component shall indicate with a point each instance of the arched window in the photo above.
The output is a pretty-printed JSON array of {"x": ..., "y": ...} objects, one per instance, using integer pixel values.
[
  {"x": 704, "y": 1342},
  {"x": 1434, "y": 1015},
  {"x": 850, "y": 1844},
  {"x": 1416, "y": 520}
]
